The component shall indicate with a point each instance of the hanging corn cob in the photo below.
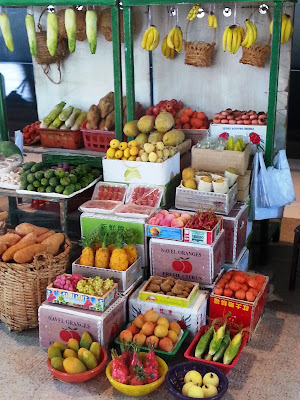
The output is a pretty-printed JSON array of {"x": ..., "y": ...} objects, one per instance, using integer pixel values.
[
  {"x": 91, "y": 21},
  {"x": 6, "y": 32},
  {"x": 30, "y": 27},
  {"x": 71, "y": 28},
  {"x": 52, "y": 33}
]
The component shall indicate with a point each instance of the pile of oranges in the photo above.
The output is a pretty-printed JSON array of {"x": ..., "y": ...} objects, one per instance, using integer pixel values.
[
  {"x": 241, "y": 286},
  {"x": 189, "y": 119}
]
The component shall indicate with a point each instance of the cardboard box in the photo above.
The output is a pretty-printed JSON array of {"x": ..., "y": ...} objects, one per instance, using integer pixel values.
[
  {"x": 126, "y": 295},
  {"x": 199, "y": 236},
  {"x": 81, "y": 300},
  {"x": 146, "y": 172},
  {"x": 195, "y": 134},
  {"x": 60, "y": 323},
  {"x": 243, "y": 132},
  {"x": 242, "y": 195},
  {"x": 242, "y": 263},
  {"x": 235, "y": 227},
  {"x": 191, "y": 318},
  {"x": 152, "y": 297},
  {"x": 124, "y": 279},
  {"x": 243, "y": 181},
  {"x": 187, "y": 261},
  {"x": 89, "y": 222},
  {"x": 189, "y": 199},
  {"x": 219, "y": 160},
  {"x": 243, "y": 313}
]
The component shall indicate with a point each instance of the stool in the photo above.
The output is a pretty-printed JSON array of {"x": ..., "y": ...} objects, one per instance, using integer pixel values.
[{"x": 295, "y": 258}]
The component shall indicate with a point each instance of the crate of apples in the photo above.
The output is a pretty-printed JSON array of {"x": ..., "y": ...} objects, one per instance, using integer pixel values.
[
  {"x": 171, "y": 106},
  {"x": 151, "y": 330},
  {"x": 189, "y": 119},
  {"x": 241, "y": 286}
]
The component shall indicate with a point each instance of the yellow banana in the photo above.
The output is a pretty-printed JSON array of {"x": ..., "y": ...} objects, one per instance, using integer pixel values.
[
  {"x": 155, "y": 40},
  {"x": 229, "y": 39},
  {"x": 164, "y": 46},
  {"x": 240, "y": 34},
  {"x": 193, "y": 12},
  {"x": 234, "y": 40},
  {"x": 168, "y": 51},
  {"x": 150, "y": 39},
  {"x": 254, "y": 30},
  {"x": 246, "y": 39},
  {"x": 215, "y": 22},
  {"x": 251, "y": 34},
  {"x": 271, "y": 27},
  {"x": 170, "y": 38},
  {"x": 210, "y": 20},
  {"x": 288, "y": 30},
  {"x": 224, "y": 40},
  {"x": 145, "y": 37},
  {"x": 172, "y": 53},
  {"x": 283, "y": 27},
  {"x": 178, "y": 39}
]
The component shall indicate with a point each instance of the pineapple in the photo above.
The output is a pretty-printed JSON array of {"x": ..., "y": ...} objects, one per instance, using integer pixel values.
[
  {"x": 119, "y": 259},
  {"x": 112, "y": 238},
  {"x": 103, "y": 254},
  {"x": 97, "y": 240},
  {"x": 130, "y": 249},
  {"x": 87, "y": 256}
]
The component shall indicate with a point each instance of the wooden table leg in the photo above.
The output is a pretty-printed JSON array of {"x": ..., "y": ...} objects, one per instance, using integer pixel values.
[
  {"x": 63, "y": 207},
  {"x": 295, "y": 258}
]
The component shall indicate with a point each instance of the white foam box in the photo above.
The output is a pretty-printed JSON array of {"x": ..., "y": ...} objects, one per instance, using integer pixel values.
[
  {"x": 60, "y": 323},
  {"x": 191, "y": 318},
  {"x": 145, "y": 172},
  {"x": 124, "y": 279},
  {"x": 242, "y": 263},
  {"x": 187, "y": 261},
  {"x": 126, "y": 295}
]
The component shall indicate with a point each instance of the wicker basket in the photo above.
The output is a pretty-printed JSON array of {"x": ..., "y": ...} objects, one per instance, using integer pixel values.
[
  {"x": 198, "y": 54},
  {"x": 23, "y": 287},
  {"x": 256, "y": 55},
  {"x": 104, "y": 23},
  {"x": 80, "y": 25}
]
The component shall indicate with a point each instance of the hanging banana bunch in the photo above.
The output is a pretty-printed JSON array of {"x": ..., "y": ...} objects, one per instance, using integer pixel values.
[
  {"x": 6, "y": 32},
  {"x": 30, "y": 28},
  {"x": 150, "y": 39},
  {"x": 166, "y": 50},
  {"x": 193, "y": 12},
  {"x": 71, "y": 28},
  {"x": 174, "y": 39},
  {"x": 251, "y": 34},
  {"x": 232, "y": 38},
  {"x": 286, "y": 28},
  {"x": 52, "y": 33},
  {"x": 91, "y": 22},
  {"x": 212, "y": 20}
]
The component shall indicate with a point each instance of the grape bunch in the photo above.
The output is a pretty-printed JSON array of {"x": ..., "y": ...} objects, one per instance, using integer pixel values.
[
  {"x": 95, "y": 286},
  {"x": 67, "y": 282}
]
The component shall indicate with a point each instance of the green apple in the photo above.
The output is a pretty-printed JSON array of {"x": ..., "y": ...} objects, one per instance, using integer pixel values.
[
  {"x": 186, "y": 388},
  {"x": 211, "y": 379},
  {"x": 209, "y": 390},
  {"x": 196, "y": 392},
  {"x": 193, "y": 376}
]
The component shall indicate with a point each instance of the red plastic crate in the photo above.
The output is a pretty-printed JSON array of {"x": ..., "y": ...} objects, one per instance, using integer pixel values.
[
  {"x": 96, "y": 140},
  {"x": 58, "y": 138},
  {"x": 190, "y": 351}
]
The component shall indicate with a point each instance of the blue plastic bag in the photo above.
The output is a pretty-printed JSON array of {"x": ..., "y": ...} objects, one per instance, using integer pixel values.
[
  {"x": 275, "y": 183},
  {"x": 257, "y": 212}
]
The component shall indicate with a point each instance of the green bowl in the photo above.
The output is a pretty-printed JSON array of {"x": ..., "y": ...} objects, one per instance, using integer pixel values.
[{"x": 162, "y": 354}]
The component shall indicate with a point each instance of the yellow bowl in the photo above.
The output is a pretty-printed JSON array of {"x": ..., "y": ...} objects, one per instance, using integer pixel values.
[{"x": 143, "y": 390}]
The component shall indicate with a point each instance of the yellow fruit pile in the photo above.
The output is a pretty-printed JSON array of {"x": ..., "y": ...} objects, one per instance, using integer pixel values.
[
  {"x": 123, "y": 150},
  {"x": 75, "y": 357}
]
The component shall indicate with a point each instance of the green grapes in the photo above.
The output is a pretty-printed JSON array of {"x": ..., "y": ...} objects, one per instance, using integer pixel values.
[{"x": 95, "y": 286}]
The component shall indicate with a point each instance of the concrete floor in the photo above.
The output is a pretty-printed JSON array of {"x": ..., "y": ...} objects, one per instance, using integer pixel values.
[{"x": 269, "y": 367}]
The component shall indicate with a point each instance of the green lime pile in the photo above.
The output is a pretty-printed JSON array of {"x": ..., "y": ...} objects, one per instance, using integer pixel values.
[{"x": 40, "y": 178}]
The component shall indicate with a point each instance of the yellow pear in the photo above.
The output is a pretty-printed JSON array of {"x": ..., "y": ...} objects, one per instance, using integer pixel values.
[
  {"x": 190, "y": 184},
  {"x": 188, "y": 173},
  {"x": 207, "y": 179}
]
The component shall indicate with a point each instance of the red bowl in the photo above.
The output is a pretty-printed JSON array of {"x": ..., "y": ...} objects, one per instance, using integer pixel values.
[
  {"x": 82, "y": 376},
  {"x": 190, "y": 351}
]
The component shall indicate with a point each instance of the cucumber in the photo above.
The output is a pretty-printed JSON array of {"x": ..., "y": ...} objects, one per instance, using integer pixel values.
[
  {"x": 37, "y": 167},
  {"x": 30, "y": 178},
  {"x": 28, "y": 165}
]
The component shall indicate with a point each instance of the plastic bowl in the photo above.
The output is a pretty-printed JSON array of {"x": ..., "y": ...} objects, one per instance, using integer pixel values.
[
  {"x": 190, "y": 351},
  {"x": 138, "y": 391},
  {"x": 82, "y": 376},
  {"x": 175, "y": 379}
]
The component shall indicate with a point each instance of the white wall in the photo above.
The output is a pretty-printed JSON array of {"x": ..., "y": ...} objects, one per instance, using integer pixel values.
[{"x": 227, "y": 83}]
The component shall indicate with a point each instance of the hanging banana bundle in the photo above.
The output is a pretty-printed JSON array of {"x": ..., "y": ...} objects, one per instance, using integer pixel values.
[
  {"x": 212, "y": 20},
  {"x": 166, "y": 50},
  {"x": 251, "y": 34},
  {"x": 52, "y": 33},
  {"x": 193, "y": 12},
  {"x": 150, "y": 39},
  {"x": 30, "y": 28},
  {"x": 6, "y": 32},
  {"x": 174, "y": 39},
  {"x": 232, "y": 38},
  {"x": 286, "y": 28}
]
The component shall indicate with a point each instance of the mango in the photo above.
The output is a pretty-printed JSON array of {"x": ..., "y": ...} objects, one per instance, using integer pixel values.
[
  {"x": 96, "y": 350},
  {"x": 69, "y": 353},
  {"x": 86, "y": 340},
  {"x": 80, "y": 353},
  {"x": 164, "y": 122},
  {"x": 146, "y": 124},
  {"x": 73, "y": 366},
  {"x": 61, "y": 346},
  {"x": 53, "y": 352},
  {"x": 57, "y": 363},
  {"x": 173, "y": 137},
  {"x": 89, "y": 360},
  {"x": 73, "y": 344},
  {"x": 131, "y": 129}
]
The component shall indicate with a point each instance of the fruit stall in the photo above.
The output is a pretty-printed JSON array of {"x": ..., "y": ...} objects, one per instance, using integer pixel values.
[{"x": 161, "y": 291}]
